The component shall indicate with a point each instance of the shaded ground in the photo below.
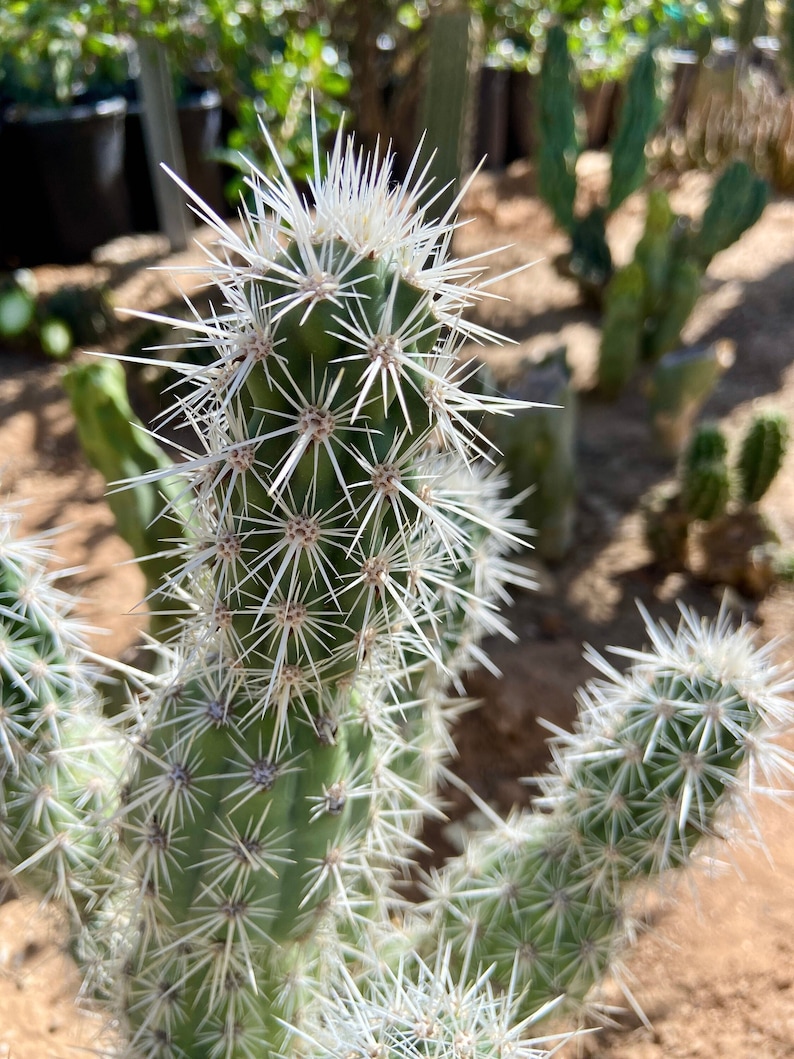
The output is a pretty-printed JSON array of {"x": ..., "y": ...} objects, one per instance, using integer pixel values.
[{"x": 714, "y": 981}]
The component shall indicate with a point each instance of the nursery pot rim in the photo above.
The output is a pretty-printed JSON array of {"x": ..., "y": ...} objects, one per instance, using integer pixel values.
[{"x": 75, "y": 112}]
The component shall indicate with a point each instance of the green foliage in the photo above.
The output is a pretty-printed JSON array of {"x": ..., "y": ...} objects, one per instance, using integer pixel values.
[{"x": 53, "y": 50}]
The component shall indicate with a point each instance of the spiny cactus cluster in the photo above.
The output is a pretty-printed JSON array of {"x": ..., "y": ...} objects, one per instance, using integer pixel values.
[
  {"x": 59, "y": 761},
  {"x": 708, "y": 519},
  {"x": 346, "y": 547},
  {"x": 590, "y": 259},
  {"x": 649, "y": 300}
]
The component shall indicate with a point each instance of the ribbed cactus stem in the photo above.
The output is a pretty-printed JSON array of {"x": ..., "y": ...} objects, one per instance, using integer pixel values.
[
  {"x": 559, "y": 143},
  {"x": 59, "y": 759},
  {"x": 737, "y": 201},
  {"x": 638, "y": 118},
  {"x": 761, "y": 454},
  {"x": 662, "y": 754}
]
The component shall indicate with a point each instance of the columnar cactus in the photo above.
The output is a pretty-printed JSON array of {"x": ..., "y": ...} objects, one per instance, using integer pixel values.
[
  {"x": 649, "y": 300},
  {"x": 341, "y": 556},
  {"x": 347, "y": 545},
  {"x": 590, "y": 259}
]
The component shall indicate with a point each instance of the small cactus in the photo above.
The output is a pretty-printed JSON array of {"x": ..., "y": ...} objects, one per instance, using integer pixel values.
[
  {"x": 761, "y": 454},
  {"x": 732, "y": 543}
]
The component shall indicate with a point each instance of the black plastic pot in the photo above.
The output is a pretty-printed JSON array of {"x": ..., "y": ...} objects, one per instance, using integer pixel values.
[
  {"x": 200, "y": 118},
  {"x": 62, "y": 188}
]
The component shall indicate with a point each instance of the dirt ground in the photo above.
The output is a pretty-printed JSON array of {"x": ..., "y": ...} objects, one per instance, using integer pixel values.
[{"x": 714, "y": 975}]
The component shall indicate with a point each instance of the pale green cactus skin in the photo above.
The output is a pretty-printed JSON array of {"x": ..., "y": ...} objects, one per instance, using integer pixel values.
[
  {"x": 338, "y": 581},
  {"x": 117, "y": 444},
  {"x": 59, "y": 759}
]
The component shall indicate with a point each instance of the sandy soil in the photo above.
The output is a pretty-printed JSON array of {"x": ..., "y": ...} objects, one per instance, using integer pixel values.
[{"x": 714, "y": 975}]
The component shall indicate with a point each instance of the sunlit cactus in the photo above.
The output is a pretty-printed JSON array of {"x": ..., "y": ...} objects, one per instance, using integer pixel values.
[{"x": 345, "y": 549}]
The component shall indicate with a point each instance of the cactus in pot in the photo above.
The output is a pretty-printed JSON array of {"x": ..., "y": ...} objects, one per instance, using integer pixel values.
[{"x": 346, "y": 547}]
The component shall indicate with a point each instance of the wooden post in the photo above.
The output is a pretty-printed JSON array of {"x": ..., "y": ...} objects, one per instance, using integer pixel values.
[{"x": 163, "y": 142}]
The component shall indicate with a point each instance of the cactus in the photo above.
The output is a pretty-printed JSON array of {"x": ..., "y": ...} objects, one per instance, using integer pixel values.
[
  {"x": 59, "y": 760},
  {"x": 761, "y": 455},
  {"x": 118, "y": 445},
  {"x": 638, "y": 119},
  {"x": 454, "y": 43},
  {"x": 679, "y": 385},
  {"x": 621, "y": 336},
  {"x": 627, "y": 800},
  {"x": 734, "y": 543},
  {"x": 346, "y": 547},
  {"x": 539, "y": 449},
  {"x": 558, "y": 146},
  {"x": 590, "y": 259},
  {"x": 737, "y": 201},
  {"x": 669, "y": 261}
]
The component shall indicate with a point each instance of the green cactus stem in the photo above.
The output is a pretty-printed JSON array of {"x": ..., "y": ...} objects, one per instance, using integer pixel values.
[
  {"x": 539, "y": 449},
  {"x": 660, "y": 756},
  {"x": 761, "y": 454},
  {"x": 341, "y": 561},
  {"x": 624, "y": 315},
  {"x": 453, "y": 55},
  {"x": 59, "y": 758},
  {"x": 120, "y": 447},
  {"x": 663, "y": 330},
  {"x": 678, "y": 387},
  {"x": 558, "y": 139},
  {"x": 737, "y": 201},
  {"x": 638, "y": 118}
]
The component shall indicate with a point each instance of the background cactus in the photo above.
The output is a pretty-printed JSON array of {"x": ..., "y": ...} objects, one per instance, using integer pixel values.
[
  {"x": 590, "y": 259},
  {"x": 120, "y": 447},
  {"x": 539, "y": 448},
  {"x": 454, "y": 50},
  {"x": 669, "y": 262},
  {"x": 732, "y": 542},
  {"x": 761, "y": 455}
]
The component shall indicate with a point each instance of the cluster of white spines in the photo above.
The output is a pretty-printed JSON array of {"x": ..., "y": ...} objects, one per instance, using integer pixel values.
[
  {"x": 345, "y": 554},
  {"x": 58, "y": 758}
]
